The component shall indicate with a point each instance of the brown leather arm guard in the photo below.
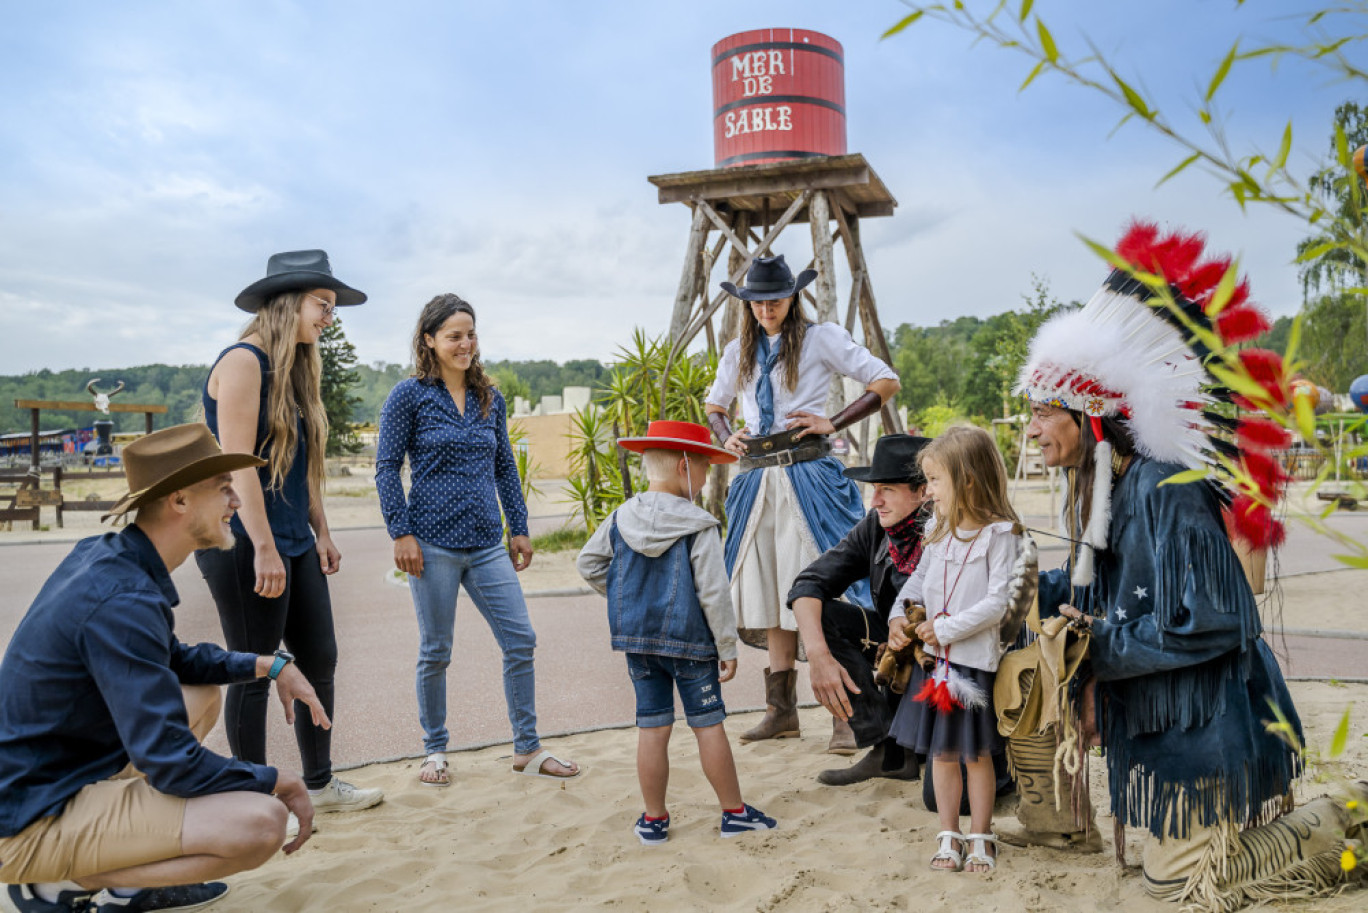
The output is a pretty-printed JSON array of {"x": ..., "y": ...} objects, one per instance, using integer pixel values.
[{"x": 863, "y": 407}]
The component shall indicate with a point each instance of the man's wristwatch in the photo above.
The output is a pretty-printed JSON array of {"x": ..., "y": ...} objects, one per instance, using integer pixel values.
[{"x": 282, "y": 659}]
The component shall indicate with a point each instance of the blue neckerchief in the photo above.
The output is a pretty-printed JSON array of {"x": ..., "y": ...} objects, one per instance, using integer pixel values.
[{"x": 764, "y": 389}]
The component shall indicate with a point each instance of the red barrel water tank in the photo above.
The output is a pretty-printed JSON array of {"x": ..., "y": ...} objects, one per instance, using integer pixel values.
[{"x": 778, "y": 95}]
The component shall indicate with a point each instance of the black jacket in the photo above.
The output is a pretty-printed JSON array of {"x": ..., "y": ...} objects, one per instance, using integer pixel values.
[{"x": 862, "y": 553}]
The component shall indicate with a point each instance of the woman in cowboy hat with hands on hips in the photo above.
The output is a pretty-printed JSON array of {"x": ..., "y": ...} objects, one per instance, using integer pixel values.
[
  {"x": 263, "y": 397},
  {"x": 790, "y": 502}
]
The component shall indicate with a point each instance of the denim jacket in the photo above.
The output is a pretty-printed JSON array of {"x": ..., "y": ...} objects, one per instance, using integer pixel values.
[{"x": 658, "y": 559}]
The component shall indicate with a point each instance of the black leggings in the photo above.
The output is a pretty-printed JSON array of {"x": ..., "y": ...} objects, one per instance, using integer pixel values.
[{"x": 301, "y": 617}]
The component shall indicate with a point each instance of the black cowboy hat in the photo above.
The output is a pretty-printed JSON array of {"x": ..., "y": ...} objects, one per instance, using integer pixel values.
[
  {"x": 895, "y": 460},
  {"x": 294, "y": 270},
  {"x": 768, "y": 279}
]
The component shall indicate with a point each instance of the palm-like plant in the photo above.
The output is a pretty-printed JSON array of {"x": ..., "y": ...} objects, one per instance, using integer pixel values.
[{"x": 624, "y": 406}]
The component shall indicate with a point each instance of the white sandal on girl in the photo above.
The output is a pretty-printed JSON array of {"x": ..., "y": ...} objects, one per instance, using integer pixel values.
[
  {"x": 946, "y": 841},
  {"x": 978, "y": 852}
]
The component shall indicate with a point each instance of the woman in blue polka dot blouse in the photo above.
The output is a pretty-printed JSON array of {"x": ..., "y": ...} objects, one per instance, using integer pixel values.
[{"x": 451, "y": 423}]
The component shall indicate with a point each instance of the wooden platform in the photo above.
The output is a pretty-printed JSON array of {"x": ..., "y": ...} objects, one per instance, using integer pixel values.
[{"x": 849, "y": 180}]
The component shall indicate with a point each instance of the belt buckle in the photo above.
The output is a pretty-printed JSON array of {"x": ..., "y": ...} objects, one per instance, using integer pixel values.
[{"x": 784, "y": 458}]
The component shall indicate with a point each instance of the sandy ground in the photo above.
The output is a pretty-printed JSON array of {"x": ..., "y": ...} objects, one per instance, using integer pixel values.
[
  {"x": 495, "y": 841},
  {"x": 498, "y": 842}
]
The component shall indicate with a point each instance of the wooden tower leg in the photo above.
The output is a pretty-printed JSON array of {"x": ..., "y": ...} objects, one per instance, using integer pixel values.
[
  {"x": 688, "y": 280},
  {"x": 824, "y": 288}
]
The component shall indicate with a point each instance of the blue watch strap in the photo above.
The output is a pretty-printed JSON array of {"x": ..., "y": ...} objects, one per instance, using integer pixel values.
[{"x": 277, "y": 667}]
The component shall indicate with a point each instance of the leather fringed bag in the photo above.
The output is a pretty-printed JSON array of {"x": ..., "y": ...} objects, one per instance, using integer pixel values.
[{"x": 1032, "y": 683}]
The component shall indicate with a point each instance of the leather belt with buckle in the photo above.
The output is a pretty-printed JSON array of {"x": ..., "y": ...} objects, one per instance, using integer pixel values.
[{"x": 782, "y": 449}]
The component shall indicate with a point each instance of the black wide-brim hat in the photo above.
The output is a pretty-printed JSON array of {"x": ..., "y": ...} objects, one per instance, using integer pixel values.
[
  {"x": 769, "y": 279},
  {"x": 895, "y": 460},
  {"x": 294, "y": 270}
]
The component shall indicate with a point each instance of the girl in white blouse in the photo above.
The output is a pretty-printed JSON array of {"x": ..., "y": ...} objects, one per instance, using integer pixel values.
[
  {"x": 790, "y": 502},
  {"x": 963, "y": 580}
]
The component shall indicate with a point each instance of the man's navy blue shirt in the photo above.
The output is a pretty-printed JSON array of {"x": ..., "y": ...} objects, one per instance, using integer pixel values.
[{"x": 92, "y": 680}]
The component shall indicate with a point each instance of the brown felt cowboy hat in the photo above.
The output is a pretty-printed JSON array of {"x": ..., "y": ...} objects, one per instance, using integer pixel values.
[
  {"x": 292, "y": 271},
  {"x": 171, "y": 459}
]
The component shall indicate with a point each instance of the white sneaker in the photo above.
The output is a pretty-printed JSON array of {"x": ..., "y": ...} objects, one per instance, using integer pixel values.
[{"x": 340, "y": 796}]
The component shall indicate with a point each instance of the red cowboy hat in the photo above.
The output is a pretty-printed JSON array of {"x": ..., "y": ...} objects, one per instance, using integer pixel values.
[{"x": 685, "y": 436}]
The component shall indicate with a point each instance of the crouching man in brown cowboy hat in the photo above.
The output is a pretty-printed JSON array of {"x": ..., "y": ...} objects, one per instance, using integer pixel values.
[{"x": 104, "y": 785}]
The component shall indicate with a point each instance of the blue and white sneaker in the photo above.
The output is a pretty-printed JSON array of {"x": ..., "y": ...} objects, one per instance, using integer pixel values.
[
  {"x": 753, "y": 820},
  {"x": 23, "y": 898},
  {"x": 652, "y": 833}
]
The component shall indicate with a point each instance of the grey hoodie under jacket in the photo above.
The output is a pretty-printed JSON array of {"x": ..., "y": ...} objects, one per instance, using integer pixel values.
[{"x": 650, "y": 523}]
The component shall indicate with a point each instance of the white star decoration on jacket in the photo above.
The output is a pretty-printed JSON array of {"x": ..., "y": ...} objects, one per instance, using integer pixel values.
[
  {"x": 1141, "y": 592},
  {"x": 1120, "y": 614}
]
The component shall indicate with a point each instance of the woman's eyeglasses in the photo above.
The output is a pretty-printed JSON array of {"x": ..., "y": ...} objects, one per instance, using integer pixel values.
[{"x": 329, "y": 309}]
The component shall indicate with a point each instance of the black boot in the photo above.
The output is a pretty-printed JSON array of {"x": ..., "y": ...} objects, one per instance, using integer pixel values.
[{"x": 871, "y": 766}]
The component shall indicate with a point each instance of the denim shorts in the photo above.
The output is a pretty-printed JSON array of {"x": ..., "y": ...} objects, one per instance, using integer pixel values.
[{"x": 655, "y": 678}]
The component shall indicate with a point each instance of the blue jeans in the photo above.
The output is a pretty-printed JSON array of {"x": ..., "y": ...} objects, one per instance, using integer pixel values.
[
  {"x": 489, "y": 579},
  {"x": 655, "y": 678}
]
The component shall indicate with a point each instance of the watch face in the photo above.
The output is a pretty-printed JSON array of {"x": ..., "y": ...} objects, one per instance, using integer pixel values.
[{"x": 285, "y": 655}]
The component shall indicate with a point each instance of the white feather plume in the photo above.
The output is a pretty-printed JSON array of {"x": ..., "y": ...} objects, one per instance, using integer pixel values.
[{"x": 1118, "y": 341}]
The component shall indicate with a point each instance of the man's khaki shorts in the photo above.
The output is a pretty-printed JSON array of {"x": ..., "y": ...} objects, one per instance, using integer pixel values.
[{"x": 109, "y": 825}]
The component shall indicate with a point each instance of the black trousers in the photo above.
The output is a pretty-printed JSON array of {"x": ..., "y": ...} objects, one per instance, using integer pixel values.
[
  {"x": 301, "y": 618},
  {"x": 853, "y": 635}
]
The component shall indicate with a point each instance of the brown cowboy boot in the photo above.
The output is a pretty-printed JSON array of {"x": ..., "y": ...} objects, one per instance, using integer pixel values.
[
  {"x": 781, "y": 708},
  {"x": 842, "y": 738}
]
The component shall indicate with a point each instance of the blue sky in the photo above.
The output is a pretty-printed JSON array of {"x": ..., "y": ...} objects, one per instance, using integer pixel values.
[{"x": 152, "y": 155}]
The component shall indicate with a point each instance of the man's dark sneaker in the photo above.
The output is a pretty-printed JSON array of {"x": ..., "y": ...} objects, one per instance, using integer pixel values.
[
  {"x": 180, "y": 897},
  {"x": 25, "y": 901}
]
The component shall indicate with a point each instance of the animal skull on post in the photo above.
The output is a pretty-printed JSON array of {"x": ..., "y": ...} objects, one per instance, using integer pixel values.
[{"x": 102, "y": 399}]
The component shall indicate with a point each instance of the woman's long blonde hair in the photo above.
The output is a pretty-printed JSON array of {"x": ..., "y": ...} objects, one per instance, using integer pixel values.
[
  {"x": 295, "y": 376},
  {"x": 978, "y": 479}
]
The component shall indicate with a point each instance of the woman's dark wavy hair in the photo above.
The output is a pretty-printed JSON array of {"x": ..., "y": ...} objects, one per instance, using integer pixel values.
[
  {"x": 791, "y": 333},
  {"x": 425, "y": 366}
]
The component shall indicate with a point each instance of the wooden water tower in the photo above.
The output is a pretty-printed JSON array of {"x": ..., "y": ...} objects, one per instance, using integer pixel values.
[{"x": 779, "y": 139}]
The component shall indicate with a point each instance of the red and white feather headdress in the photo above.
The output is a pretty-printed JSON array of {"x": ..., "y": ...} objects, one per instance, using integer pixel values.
[{"x": 1156, "y": 346}]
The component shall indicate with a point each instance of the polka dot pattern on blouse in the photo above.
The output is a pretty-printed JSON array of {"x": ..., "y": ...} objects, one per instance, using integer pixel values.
[{"x": 461, "y": 468}]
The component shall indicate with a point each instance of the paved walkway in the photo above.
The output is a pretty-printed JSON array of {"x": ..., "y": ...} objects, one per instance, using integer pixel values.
[{"x": 581, "y": 683}]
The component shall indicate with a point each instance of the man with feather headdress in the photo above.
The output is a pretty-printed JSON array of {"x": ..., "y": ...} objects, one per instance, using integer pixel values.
[{"x": 1143, "y": 397}]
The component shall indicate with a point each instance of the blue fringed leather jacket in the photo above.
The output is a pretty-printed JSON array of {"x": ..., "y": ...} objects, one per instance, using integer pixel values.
[{"x": 1185, "y": 682}]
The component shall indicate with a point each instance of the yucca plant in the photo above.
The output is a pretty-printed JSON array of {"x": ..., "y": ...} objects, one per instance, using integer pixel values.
[{"x": 624, "y": 405}]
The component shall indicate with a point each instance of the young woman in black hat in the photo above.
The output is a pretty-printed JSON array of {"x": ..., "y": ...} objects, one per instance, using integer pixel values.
[
  {"x": 790, "y": 502},
  {"x": 263, "y": 397}
]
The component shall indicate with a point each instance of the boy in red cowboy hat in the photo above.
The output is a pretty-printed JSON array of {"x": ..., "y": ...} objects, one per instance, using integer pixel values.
[{"x": 658, "y": 559}]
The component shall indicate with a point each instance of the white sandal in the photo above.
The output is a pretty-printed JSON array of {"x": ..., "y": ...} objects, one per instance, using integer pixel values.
[
  {"x": 946, "y": 841},
  {"x": 438, "y": 760},
  {"x": 978, "y": 852}
]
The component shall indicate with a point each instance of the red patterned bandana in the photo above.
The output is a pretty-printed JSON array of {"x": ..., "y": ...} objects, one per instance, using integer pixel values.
[{"x": 905, "y": 540}]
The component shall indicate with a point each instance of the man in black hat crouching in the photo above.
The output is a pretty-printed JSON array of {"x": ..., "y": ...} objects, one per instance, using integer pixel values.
[
  {"x": 104, "y": 785},
  {"x": 841, "y": 638}
]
